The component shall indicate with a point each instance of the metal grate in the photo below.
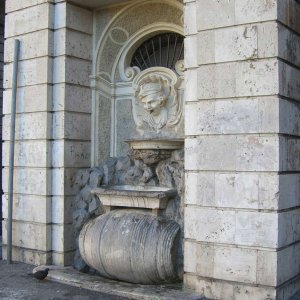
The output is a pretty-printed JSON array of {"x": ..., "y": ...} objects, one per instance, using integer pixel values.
[{"x": 162, "y": 50}]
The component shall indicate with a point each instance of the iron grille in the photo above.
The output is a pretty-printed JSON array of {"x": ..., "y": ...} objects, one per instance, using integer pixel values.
[{"x": 162, "y": 50}]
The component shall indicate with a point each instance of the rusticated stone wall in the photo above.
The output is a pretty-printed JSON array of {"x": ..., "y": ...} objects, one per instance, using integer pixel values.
[
  {"x": 242, "y": 148},
  {"x": 52, "y": 124},
  {"x": 2, "y": 16}
]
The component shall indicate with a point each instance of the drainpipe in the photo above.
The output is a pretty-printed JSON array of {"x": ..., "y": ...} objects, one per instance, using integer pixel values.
[{"x": 12, "y": 152}]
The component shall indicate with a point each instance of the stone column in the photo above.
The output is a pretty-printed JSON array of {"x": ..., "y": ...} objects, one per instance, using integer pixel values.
[
  {"x": 71, "y": 123},
  {"x": 2, "y": 16},
  {"x": 242, "y": 212},
  {"x": 53, "y": 124},
  {"x": 32, "y": 23}
]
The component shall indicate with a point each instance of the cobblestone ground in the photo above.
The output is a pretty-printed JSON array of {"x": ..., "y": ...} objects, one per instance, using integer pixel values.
[{"x": 15, "y": 284}]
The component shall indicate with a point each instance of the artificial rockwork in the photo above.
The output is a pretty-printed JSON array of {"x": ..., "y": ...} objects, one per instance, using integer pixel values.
[{"x": 127, "y": 170}]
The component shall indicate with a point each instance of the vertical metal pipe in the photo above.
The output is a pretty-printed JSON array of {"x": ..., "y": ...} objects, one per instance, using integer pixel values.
[{"x": 12, "y": 152}]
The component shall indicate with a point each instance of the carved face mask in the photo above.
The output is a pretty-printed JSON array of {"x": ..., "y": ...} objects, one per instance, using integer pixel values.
[{"x": 152, "y": 97}]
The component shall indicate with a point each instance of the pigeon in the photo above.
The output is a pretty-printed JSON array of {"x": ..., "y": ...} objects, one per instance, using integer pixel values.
[{"x": 40, "y": 274}]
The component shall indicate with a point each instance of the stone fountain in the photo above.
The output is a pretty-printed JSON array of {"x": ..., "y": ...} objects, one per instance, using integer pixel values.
[{"x": 137, "y": 235}]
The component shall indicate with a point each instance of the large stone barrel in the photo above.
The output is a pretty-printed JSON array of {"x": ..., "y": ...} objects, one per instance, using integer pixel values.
[{"x": 132, "y": 246}]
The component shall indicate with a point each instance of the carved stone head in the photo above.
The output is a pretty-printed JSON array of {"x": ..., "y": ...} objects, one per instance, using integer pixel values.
[{"x": 155, "y": 104}]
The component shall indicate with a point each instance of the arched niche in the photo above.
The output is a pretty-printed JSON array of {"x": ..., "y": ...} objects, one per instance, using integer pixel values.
[{"x": 126, "y": 29}]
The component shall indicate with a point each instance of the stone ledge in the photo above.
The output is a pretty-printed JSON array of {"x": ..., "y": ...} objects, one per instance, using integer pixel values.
[{"x": 72, "y": 277}]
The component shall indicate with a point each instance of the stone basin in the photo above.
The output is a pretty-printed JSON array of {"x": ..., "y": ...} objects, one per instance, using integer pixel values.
[
  {"x": 151, "y": 144},
  {"x": 150, "y": 197},
  {"x": 152, "y": 151}
]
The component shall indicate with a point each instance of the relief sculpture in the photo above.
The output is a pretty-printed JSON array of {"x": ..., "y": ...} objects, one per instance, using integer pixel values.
[{"x": 157, "y": 105}]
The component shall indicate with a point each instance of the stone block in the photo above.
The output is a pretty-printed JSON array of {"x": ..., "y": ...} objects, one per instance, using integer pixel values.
[
  {"x": 231, "y": 227},
  {"x": 236, "y": 190},
  {"x": 70, "y": 125},
  {"x": 231, "y": 263},
  {"x": 63, "y": 181},
  {"x": 29, "y": 20},
  {"x": 30, "y": 72},
  {"x": 289, "y": 45},
  {"x": 268, "y": 39},
  {"x": 289, "y": 152},
  {"x": 71, "y": 154},
  {"x": 73, "y": 17},
  {"x": 288, "y": 263},
  {"x": 289, "y": 81},
  {"x": 33, "y": 45},
  {"x": 63, "y": 237},
  {"x": 29, "y": 126},
  {"x": 62, "y": 209},
  {"x": 72, "y": 43},
  {"x": 33, "y": 98},
  {"x": 190, "y": 18},
  {"x": 63, "y": 259},
  {"x": 239, "y": 79},
  {"x": 71, "y": 70},
  {"x": 214, "y": 14},
  {"x": 28, "y": 154},
  {"x": 219, "y": 290},
  {"x": 28, "y": 256},
  {"x": 72, "y": 98},
  {"x": 288, "y": 13},
  {"x": 228, "y": 44},
  {"x": 235, "y": 153},
  {"x": 29, "y": 208},
  {"x": 28, "y": 181},
  {"x": 191, "y": 51},
  {"x": 30, "y": 235},
  {"x": 191, "y": 82},
  {"x": 289, "y": 289},
  {"x": 13, "y": 5},
  {"x": 288, "y": 227},
  {"x": 255, "y": 115},
  {"x": 255, "y": 11},
  {"x": 289, "y": 191}
]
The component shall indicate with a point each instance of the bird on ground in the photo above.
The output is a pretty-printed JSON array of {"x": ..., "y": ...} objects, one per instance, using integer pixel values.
[{"x": 39, "y": 273}]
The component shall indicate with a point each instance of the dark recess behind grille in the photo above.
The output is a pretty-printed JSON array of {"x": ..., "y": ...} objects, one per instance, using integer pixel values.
[{"x": 162, "y": 50}]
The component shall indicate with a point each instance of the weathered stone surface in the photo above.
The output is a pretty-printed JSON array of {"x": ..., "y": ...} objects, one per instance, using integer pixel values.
[
  {"x": 238, "y": 79},
  {"x": 109, "y": 171},
  {"x": 71, "y": 70},
  {"x": 223, "y": 116},
  {"x": 77, "y": 44},
  {"x": 242, "y": 152},
  {"x": 31, "y": 153},
  {"x": 94, "y": 205},
  {"x": 227, "y": 44},
  {"x": 30, "y": 72},
  {"x": 71, "y": 98},
  {"x": 96, "y": 177},
  {"x": 29, "y": 235},
  {"x": 71, "y": 125},
  {"x": 12, "y": 5},
  {"x": 246, "y": 228},
  {"x": 30, "y": 99},
  {"x": 151, "y": 261},
  {"x": 73, "y": 17},
  {"x": 30, "y": 19},
  {"x": 79, "y": 264},
  {"x": 35, "y": 44},
  {"x": 29, "y": 208},
  {"x": 30, "y": 126}
]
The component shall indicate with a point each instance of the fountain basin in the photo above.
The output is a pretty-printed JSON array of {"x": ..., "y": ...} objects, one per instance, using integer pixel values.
[
  {"x": 152, "y": 151},
  {"x": 151, "y": 144},
  {"x": 150, "y": 197}
]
